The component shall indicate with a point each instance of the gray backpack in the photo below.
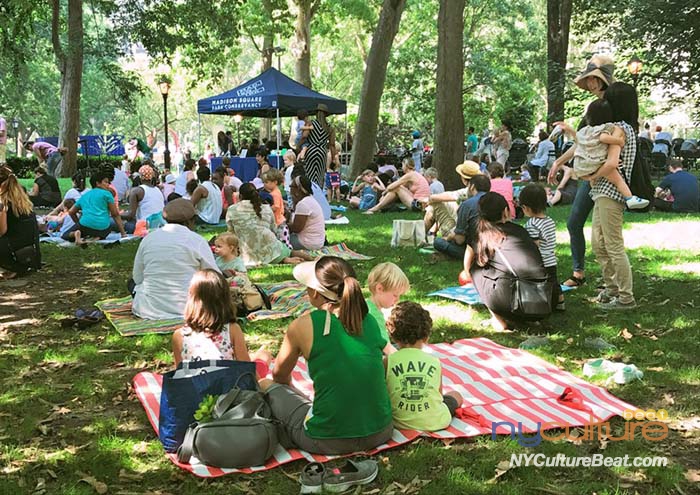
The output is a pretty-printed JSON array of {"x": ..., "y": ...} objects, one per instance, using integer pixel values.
[{"x": 242, "y": 434}]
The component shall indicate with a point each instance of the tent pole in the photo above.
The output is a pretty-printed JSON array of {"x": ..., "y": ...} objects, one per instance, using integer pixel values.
[
  {"x": 346, "y": 132},
  {"x": 199, "y": 134},
  {"x": 279, "y": 136}
]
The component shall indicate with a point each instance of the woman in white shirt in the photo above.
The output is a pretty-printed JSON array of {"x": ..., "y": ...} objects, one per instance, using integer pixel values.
[{"x": 307, "y": 227}]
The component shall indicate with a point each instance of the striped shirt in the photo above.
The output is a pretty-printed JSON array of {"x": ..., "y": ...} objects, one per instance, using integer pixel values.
[{"x": 544, "y": 230}]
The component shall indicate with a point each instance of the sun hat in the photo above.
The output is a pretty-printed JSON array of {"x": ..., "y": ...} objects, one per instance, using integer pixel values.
[
  {"x": 600, "y": 66},
  {"x": 146, "y": 172},
  {"x": 170, "y": 179},
  {"x": 305, "y": 273},
  {"x": 179, "y": 210},
  {"x": 468, "y": 169},
  {"x": 322, "y": 108}
]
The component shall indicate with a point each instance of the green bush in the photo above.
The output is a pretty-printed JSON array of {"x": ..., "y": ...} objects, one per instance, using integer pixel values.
[{"x": 24, "y": 167}]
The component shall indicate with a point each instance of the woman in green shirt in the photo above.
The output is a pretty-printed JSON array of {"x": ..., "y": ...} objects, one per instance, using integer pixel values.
[{"x": 343, "y": 346}]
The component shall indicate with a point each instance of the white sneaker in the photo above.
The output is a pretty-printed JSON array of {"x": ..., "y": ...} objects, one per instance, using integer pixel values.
[{"x": 636, "y": 203}]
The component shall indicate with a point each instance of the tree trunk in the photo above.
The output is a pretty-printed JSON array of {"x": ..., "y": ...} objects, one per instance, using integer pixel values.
[
  {"x": 301, "y": 42},
  {"x": 70, "y": 65},
  {"x": 558, "y": 21},
  {"x": 373, "y": 84},
  {"x": 265, "y": 124},
  {"x": 449, "y": 119}
]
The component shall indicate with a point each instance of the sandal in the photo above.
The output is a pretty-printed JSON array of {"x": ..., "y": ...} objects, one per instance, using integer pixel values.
[{"x": 574, "y": 281}]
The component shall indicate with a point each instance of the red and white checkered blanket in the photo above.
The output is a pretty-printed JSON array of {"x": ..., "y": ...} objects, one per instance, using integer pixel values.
[{"x": 497, "y": 383}]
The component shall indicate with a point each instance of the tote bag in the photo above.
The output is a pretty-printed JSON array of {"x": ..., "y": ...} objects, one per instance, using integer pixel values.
[
  {"x": 185, "y": 387},
  {"x": 408, "y": 233}
]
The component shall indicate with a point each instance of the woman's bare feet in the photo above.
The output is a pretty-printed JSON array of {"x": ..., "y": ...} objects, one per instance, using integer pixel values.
[
  {"x": 304, "y": 255},
  {"x": 292, "y": 260}
]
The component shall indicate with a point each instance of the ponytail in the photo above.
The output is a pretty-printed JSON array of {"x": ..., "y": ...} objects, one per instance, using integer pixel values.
[
  {"x": 353, "y": 307},
  {"x": 248, "y": 192}
]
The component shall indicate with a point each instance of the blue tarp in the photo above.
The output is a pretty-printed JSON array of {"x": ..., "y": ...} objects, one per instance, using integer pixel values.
[
  {"x": 263, "y": 95},
  {"x": 96, "y": 145}
]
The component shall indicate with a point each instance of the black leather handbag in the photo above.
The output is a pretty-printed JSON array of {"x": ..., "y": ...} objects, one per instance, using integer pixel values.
[{"x": 531, "y": 297}]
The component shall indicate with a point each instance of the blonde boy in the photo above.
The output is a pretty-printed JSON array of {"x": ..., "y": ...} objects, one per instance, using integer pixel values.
[{"x": 387, "y": 283}]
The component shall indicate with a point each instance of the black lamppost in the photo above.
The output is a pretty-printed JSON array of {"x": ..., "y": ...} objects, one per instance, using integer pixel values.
[
  {"x": 164, "y": 86},
  {"x": 278, "y": 50},
  {"x": 15, "y": 126},
  {"x": 634, "y": 66}
]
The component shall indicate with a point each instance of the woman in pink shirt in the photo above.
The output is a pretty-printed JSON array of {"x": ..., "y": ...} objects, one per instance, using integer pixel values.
[
  {"x": 501, "y": 185},
  {"x": 47, "y": 154},
  {"x": 411, "y": 189}
]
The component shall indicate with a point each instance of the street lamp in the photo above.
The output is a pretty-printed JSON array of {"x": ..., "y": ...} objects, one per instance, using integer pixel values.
[
  {"x": 15, "y": 126},
  {"x": 634, "y": 66},
  {"x": 278, "y": 50},
  {"x": 164, "y": 86},
  {"x": 237, "y": 119}
]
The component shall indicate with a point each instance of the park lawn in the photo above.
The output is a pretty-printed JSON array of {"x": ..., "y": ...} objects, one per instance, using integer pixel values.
[{"x": 69, "y": 413}]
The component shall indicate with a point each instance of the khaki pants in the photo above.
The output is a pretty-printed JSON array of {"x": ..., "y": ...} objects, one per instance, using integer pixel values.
[
  {"x": 3, "y": 148},
  {"x": 609, "y": 248},
  {"x": 445, "y": 215}
]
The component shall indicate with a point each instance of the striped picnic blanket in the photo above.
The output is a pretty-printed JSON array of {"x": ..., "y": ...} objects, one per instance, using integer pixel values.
[
  {"x": 287, "y": 299},
  {"x": 468, "y": 294},
  {"x": 497, "y": 383},
  {"x": 118, "y": 312},
  {"x": 341, "y": 251}
]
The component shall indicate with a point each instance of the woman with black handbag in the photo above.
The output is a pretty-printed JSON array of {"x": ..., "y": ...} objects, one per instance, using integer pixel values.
[{"x": 506, "y": 267}]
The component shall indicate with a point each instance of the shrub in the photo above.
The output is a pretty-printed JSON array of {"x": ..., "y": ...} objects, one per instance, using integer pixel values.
[{"x": 24, "y": 167}]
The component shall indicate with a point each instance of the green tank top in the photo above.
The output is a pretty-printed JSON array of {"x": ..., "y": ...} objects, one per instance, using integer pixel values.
[{"x": 351, "y": 399}]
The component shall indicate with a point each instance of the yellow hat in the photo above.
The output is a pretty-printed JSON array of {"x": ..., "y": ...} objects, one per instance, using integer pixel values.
[{"x": 468, "y": 169}]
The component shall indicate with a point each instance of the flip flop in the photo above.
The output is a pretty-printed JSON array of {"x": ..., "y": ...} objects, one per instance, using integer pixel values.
[{"x": 574, "y": 281}]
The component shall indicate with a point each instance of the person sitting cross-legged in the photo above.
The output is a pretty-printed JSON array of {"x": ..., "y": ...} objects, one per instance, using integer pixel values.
[
  {"x": 411, "y": 189},
  {"x": 683, "y": 188},
  {"x": 454, "y": 243},
  {"x": 145, "y": 200}
]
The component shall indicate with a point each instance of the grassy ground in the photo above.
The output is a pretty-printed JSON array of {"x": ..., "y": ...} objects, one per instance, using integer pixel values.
[{"x": 70, "y": 424}]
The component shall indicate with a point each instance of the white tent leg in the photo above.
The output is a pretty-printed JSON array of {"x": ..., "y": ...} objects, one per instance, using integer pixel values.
[
  {"x": 346, "y": 133},
  {"x": 279, "y": 136},
  {"x": 199, "y": 134}
]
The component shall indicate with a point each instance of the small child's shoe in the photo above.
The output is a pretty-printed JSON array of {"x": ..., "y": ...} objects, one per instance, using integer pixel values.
[{"x": 636, "y": 203}]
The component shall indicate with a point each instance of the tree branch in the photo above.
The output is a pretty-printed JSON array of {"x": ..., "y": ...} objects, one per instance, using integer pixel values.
[{"x": 252, "y": 38}]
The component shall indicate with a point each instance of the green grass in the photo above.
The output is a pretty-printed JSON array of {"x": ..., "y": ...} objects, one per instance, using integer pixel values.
[{"x": 57, "y": 379}]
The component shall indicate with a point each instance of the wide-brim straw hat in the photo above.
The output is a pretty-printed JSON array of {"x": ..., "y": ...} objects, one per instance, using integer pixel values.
[
  {"x": 468, "y": 169},
  {"x": 321, "y": 107},
  {"x": 600, "y": 66}
]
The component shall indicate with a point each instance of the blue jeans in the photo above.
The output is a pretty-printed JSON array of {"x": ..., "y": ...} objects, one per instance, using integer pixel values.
[
  {"x": 581, "y": 208},
  {"x": 54, "y": 163},
  {"x": 449, "y": 248}
]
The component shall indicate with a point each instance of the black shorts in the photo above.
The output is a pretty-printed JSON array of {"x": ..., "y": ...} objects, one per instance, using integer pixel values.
[{"x": 86, "y": 232}]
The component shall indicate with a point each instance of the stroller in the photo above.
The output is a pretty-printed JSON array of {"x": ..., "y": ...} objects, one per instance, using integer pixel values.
[
  {"x": 661, "y": 152},
  {"x": 518, "y": 154},
  {"x": 689, "y": 153}
]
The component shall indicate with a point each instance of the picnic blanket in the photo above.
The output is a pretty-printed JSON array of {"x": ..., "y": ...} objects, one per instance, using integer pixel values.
[
  {"x": 341, "y": 251},
  {"x": 287, "y": 299},
  {"x": 338, "y": 221},
  {"x": 498, "y": 384},
  {"x": 118, "y": 312},
  {"x": 112, "y": 238},
  {"x": 467, "y": 294}
]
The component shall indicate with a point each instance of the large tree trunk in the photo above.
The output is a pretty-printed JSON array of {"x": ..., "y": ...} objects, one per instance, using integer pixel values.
[
  {"x": 265, "y": 124},
  {"x": 558, "y": 21},
  {"x": 70, "y": 65},
  {"x": 373, "y": 84},
  {"x": 304, "y": 11},
  {"x": 449, "y": 119}
]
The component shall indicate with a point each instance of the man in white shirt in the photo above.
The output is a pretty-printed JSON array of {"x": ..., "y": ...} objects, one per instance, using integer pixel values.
[
  {"x": 165, "y": 262},
  {"x": 121, "y": 183}
]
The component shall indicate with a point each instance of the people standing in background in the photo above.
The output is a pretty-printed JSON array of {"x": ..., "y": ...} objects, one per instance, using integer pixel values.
[
  {"x": 472, "y": 144},
  {"x": 48, "y": 155},
  {"x": 646, "y": 133},
  {"x": 417, "y": 150},
  {"x": 3, "y": 140},
  {"x": 503, "y": 142}
]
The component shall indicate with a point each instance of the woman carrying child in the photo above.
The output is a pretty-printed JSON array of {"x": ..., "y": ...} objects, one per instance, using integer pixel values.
[
  {"x": 342, "y": 346},
  {"x": 210, "y": 330},
  {"x": 414, "y": 377}
]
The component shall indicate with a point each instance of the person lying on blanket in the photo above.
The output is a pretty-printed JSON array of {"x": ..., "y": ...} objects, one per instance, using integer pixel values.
[
  {"x": 351, "y": 409},
  {"x": 386, "y": 283},
  {"x": 414, "y": 377},
  {"x": 210, "y": 330}
]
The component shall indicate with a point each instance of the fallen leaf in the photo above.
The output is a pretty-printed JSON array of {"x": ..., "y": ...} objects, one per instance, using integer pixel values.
[
  {"x": 693, "y": 475},
  {"x": 604, "y": 443},
  {"x": 625, "y": 334},
  {"x": 125, "y": 475},
  {"x": 657, "y": 352},
  {"x": 664, "y": 302},
  {"x": 501, "y": 468},
  {"x": 372, "y": 492},
  {"x": 561, "y": 359},
  {"x": 653, "y": 337},
  {"x": 570, "y": 340},
  {"x": 668, "y": 399},
  {"x": 656, "y": 368},
  {"x": 52, "y": 474},
  {"x": 43, "y": 429},
  {"x": 98, "y": 486}
]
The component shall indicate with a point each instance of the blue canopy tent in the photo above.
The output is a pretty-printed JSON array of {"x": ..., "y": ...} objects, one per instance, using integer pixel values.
[{"x": 269, "y": 95}]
